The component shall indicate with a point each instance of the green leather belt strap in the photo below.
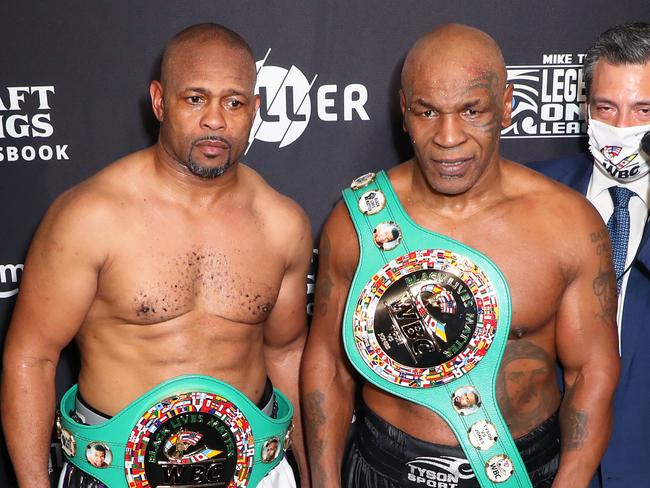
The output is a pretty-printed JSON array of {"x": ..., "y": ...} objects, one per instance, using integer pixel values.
[
  {"x": 427, "y": 319},
  {"x": 187, "y": 431}
]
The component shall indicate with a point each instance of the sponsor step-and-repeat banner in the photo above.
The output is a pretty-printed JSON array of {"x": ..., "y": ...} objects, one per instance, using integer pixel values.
[
  {"x": 9, "y": 276},
  {"x": 286, "y": 103},
  {"x": 74, "y": 97},
  {"x": 26, "y": 119}
]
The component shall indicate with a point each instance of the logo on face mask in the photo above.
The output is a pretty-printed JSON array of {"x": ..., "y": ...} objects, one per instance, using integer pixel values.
[
  {"x": 548, "y": 99},
  {"x": 617, "y": 150},
  {"x": 607, "y": 151},
  {"x": 287, "y": 100},
  {"x": 611, "y": 151}
]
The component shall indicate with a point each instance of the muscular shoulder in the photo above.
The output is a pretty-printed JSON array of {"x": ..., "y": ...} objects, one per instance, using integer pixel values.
[
  {"x": 339, "y": 242},
  {"x": 549, "y": 196},
  {"x": 561, "y": 217},
  {"x": 284, "y": 221},
  {"x": 88, "y": 212}
]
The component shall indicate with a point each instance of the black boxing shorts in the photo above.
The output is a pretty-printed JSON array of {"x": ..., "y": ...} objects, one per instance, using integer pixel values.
[{"x": 382, "y": 456}]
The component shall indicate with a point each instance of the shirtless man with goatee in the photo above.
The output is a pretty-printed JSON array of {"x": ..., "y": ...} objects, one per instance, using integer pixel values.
[{"x": 180, "y": 273}]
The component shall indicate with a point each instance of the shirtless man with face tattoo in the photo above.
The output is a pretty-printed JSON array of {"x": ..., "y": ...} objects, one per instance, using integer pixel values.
[
  {"x": 548, "y": 242},
  {"x": 168, "y": 263}
]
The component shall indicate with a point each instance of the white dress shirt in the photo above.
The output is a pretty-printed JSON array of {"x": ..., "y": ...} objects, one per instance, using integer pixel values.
[{"x": 598, "y": 195}]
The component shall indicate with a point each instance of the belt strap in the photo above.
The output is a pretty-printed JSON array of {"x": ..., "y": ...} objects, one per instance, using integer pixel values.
[
  {"x": 427, "y": 319},
  {"x": 189, "y": 430}
]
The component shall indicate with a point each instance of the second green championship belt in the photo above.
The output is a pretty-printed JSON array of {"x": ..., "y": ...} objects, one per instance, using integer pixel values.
[
  {"x": 427, "y": 320},
  {"x": 188, "y": 431}
]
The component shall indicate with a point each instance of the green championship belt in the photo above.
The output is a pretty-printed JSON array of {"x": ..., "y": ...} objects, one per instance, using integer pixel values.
[
  {"x": 427, "y": 319},
  {"x": 188, "y": 431}
]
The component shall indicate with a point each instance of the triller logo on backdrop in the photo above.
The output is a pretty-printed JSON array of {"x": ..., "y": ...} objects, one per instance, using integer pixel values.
[
  {"x": 548, "y": 98},
  {"x": 25, "y": 120},
  {"x": 287, "y": 99},
  {"x": 9, "y": 278}
]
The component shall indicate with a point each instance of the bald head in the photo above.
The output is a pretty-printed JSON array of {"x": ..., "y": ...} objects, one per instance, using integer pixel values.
[
  {"x": 203, "y": 35},
  {"x": 205, "y": 101},
  {"x": 454, "y": 103},
  {"x": 454, "y": 46}
]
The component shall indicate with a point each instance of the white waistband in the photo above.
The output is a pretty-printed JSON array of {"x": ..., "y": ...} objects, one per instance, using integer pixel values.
[{"x": 91, "y": 417}]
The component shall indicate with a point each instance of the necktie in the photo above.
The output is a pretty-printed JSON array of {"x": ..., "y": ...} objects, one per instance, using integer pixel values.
[{"x": 619, "y": 229}]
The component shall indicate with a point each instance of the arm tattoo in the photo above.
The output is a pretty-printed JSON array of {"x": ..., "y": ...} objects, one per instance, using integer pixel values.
[
  {"x": 324, "y": 283},
  {"x": 577, "y": 429},
  {"x": 603, "y": 284},
  {"x": 573, "y": 423},
  {"x": 314, "y": 420},
  {"x": 526, "y": 391}
]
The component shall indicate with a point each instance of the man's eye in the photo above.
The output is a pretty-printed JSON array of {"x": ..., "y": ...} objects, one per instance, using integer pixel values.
[
  {"x": 423, "y": 113},
  {"x": 234, "y": 103},
  {"x": 426, "y": 114},
  {"x": 194, "y": 99}
]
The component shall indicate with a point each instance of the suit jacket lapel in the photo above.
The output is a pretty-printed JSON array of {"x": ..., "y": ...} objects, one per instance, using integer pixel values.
[
  {"x": 636, "y": 308},
  {"x": 644, "y": 251}
]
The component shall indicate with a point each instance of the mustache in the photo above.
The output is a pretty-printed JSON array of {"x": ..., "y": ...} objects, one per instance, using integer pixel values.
[{"x": 212, "y": 138}]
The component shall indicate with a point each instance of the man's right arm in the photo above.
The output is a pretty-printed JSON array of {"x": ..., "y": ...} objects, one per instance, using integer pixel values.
[
  {"x": 327, "y": 381},
  {"x": 57, "y": 287}
]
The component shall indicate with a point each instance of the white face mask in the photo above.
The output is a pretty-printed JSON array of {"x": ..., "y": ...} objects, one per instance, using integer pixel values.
[{"x": 617, "y": 150}]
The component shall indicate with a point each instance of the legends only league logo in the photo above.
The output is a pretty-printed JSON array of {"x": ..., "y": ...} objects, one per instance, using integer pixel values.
[{"x": 548, "y": 99}]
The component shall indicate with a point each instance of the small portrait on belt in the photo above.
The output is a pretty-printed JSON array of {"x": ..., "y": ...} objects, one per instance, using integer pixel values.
[
  {"x": 466, "y": 400},
  {"x": 387, "y": 235},
  {"x": 271, "y": 450},
  {"x": 99, "y": 455}
]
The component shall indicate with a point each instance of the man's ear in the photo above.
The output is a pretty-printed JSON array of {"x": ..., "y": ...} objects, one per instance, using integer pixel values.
[
  {"x": 402, "y": 106},
  {"x": 507, "y": 106},
  {"x": 157, "y": 102},
  {"x": 257, "y": 104}
]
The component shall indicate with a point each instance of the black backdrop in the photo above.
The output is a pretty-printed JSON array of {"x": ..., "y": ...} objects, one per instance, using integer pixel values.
[{"x": 74, "y": 81}]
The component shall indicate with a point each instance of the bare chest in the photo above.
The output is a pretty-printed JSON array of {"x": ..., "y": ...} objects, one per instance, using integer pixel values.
[
  {"x": 148, "y": 285},
  {"x": 524, "y": 255}
]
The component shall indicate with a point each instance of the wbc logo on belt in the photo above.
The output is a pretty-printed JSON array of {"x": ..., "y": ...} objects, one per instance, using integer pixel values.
[
  {"x": 181, "y": 448},
  {"x": 425, "y": 318},
  {"x": 193, "y": 439}
]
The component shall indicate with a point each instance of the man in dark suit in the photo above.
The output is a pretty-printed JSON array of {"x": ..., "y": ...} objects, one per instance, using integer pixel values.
[{"x": 614, "y": 177}]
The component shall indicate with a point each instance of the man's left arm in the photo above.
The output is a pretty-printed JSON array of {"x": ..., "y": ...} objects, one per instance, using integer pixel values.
[
  {"x": 587, "y": 345},
  {"x": 285, "y": 333}
]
